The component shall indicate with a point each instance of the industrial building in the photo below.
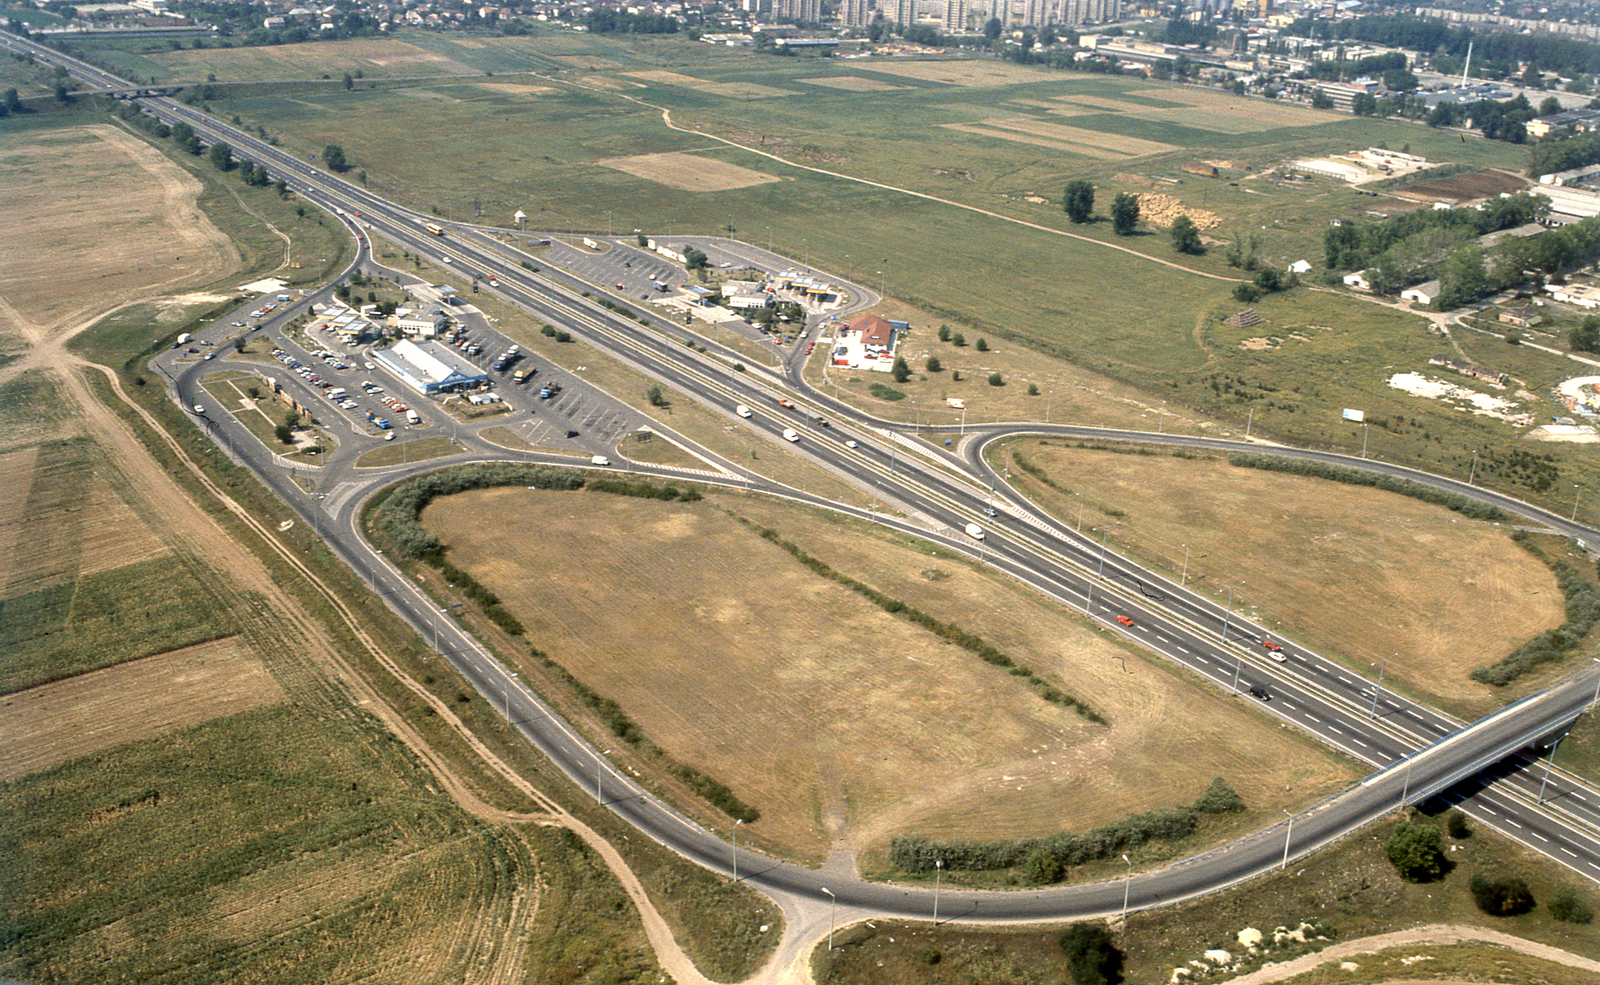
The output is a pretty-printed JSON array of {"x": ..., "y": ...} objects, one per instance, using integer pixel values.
[{"x": 430, "y": 368}]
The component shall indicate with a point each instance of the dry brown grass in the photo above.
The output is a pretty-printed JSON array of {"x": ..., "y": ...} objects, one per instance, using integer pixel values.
[
  {"x": 107, "y": 207},
  {"x": 688, "y": 172},
  {"x": 728, "y": 90},
  {"x": 1227, "y": 113},
  {"x": 1359, "y": 574},
  {"x": 310, "y": 60},
  {"x": 846, "y": 725},
  {"x": 966, "y": 73},
  {"x": 853, "y": 83},
  {"x": 136, "y": 700},
  {"x": 1087, "y": 150},
  {"x": 1078, "y": 136}
]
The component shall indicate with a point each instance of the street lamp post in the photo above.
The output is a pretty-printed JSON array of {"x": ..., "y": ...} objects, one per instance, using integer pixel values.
[
  {"x": 1228, "y": 619},
  {"x": 1101, "y": 574},
  {"x": 1375, "y": 691},
  {"x": 1127, "y": 886},
  {"x": 505, "y": 694},
  {"x": 938, "y": 870},
  {"x": 1548, "y": 765},
  {"x": 1473, "y": 475},
  {"x": 1248, "y": 421},
  {"x": 736, "y": 848},
  {"x": 833, "y": 910},
  {"x": 1363, "y": 439},
  {"x": 1577, "y": 493},
  {"x": 1596, "y": 700},
  {"x": 1287, "y": 835},
  {"x": 599, "y": 774},
  {"x": 1184, "y": 580}
]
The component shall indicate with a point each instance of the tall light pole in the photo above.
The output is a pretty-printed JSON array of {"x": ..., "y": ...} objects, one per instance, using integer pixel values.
[
  {"x": 1184, "y": 580},
  {"x": 1363, "y": 439},
  {"x": 1101, "y": 574},
  {"x": 1248, "y": 421},
  {"x": 1286, "y": 837},
  {"x": 1596, "y": 700},
  {"x": 505, "y": 693},
  {"x": 599, "y": 773},
  {"x": 1228, "y": 619},
  {"x": 1127, "y": 885},
  {"x": 832, "y": 911},
  {"x": 1548, "y": 765},
  {"x": 1473, "y": 475},
  {"x": 736, "y": 848},
  {"x": 1079, "y": 527},
  {"x": 1375, "y": 691},
  {"x": 1577, "y": 493},
  {"x": 938, "y": 870}
]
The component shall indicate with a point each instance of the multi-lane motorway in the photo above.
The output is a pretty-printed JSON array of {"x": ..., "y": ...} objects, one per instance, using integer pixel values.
[{"x": 937, "y": 494}]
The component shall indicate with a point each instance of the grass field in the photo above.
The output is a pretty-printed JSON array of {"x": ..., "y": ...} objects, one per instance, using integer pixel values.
[
  {"x": 1432, "y": 593},
  {"x": 1351, "y": 888},
  {"x": 1162, "y": 337},
  {"x": 831, "y": 696},
  {"x": 403, "y": 450}
]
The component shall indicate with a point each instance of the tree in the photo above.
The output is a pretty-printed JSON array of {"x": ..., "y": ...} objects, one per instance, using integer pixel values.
[
  {"x": 1321, "y": 100},
  {"x": 1501, "y": 897},
  {"x": 694, "y": 259},
  {"x": 222, "y": 156},
  {"x": 991, "y": 28},
  {"x": 1568, "y": 907},
  {"x": 1079, "y": 201},
  {"x": 643, "y": 239},
  {"x": 1124, "y": 214},
  {"x": 1549, "y": 106},
  {"x": 1364, "y": 104},
  {"x": 944, "y": 333},
  {"x": 983, "y": 344},
  {"x": 333, "y": 157},
  {"x": 1092, "y": 955},
  {"x": 284, "y": 434},
  {"x": 13, "y": 102},
  {"x": 900, "y": 371},
  {"x": 1586, "y": 337},
  {"x": 1417, "y": 851},
  {"x": 349, "y": 83},
  {"x": 995, "y": 379},
  {"x": 1186, "y": 236},
  {"x": 933, "y": 365},
  {"x": 656, "y": 397},
  {"x": 958, "y": 339}
]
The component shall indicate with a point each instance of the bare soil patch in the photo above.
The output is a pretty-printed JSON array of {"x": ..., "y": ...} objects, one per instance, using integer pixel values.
[
  {"x": 1023, "y": 138},
  {"x": 846, "y": 725},
  {"x": 853, "y": 83},
  {"x": 515, "y": 88},
  {"x": 53, "y": 723},
  {"x": 1434, "y": 594},
  {"x": 1466, "y": 187},
  {"x": 687, "y": 172},
  {"x": 969, "y": 74},
  {"x": 587, "y": 61},
  {"x": 107, "y": 207},
  {"x": 731, "y": 90}
]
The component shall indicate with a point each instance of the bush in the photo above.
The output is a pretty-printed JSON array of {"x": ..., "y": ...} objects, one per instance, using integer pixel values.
[
  {"x": 885, "y": 392},
  {"x": 1219, "y": 798},
  {"x": 1456, "y": 824},
  {"x": 1501, "y": 896},
  {"x": 1092, "y": 955},
  {"x": 656, "y": 397},
  {"x": 549, "y": 331},
  {"x": 911, "y": 853},
  {"x": 933, "y": 364},
  {"x": 1033, "y": 389},
  {"x": 1247, "y": 293},
  {"x": 1042, "y": 868},
  {"x": 283, "y": 434},
  {"x": 958, "y": 339},
  {"x": 900, "y": 371},
  {"x": 1568, "y": 907},
  {"x": 983, "y": 344},
  {"x": 1417, "y": 851},
  {"x": 944, "y": 333},
  {"x": 955, "y": 376},
  {"x": 995, "y": 379}
]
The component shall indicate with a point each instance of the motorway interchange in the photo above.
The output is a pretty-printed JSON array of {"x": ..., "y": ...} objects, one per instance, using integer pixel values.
[{"x": 1489, "y": 768}]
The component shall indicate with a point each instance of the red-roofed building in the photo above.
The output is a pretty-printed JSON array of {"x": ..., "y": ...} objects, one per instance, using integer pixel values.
[{"x": 874, "y": 331}]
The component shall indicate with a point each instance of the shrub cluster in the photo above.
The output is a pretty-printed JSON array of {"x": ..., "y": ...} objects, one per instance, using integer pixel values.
[
  {"x": 488, "y": 601},
  {"x": 1568, "y": 907},
  {"x": 1358, "y": 477},
  {"x": 398, "y": 513},
  {"x": 1583, "y": 611},
  {"x": 1502, "y": 896},
  {"x": 970, "y": 642},
  {"x": 1092, "y": 955},
  {"x": 716, "y": 792},
  {"x": 884, "y": 392},
  {"x": 644, "y": 490},
  {"x": 1044, "y": 860},
  {"x": 608, "y": 711}
]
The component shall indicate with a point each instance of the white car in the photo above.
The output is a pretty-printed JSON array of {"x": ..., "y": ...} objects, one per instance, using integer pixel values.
[
  {"x": 199, "y": 408},
  {"x": 851, "y": 444},
  {"x": 447, "y": 260}
]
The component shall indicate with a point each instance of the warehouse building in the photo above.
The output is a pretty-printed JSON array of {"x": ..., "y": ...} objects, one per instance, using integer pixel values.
[{"x": 430, "y": 368}]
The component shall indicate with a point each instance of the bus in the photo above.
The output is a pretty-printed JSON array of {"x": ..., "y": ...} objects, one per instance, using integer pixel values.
[{"x": 435, "y": 228}]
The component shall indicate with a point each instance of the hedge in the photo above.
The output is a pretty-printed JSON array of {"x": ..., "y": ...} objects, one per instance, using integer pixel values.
[
  {"x": 1582, "y": 612},
  {"x": 399, "y": 513},
  {"x": 1464, "y": 505}
]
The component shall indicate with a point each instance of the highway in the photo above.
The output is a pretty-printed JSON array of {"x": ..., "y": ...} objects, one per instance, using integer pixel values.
[{"x": 938, "y": 494}]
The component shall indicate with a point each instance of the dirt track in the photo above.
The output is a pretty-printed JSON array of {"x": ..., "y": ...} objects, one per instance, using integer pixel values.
[{"x": 1431, "y": 934}]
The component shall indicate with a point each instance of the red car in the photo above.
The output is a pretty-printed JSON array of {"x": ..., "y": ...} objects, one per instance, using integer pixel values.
[
  {"x": 1125, "y": 620},
  {"x": 1274, "y": 650}
]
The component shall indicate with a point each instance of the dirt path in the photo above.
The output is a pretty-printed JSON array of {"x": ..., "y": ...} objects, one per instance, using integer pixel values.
[{"x": 1416, "y": 936}]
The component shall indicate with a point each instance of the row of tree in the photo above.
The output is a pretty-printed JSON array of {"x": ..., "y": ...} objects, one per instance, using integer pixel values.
[
  {"x": 1495, "y": 54},
  {"x": 1078, "y": 202}
]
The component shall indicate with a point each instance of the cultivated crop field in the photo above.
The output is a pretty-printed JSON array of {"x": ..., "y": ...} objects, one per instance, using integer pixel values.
[
  {"x": 842, "y": 723},
  {"x": 1359, "y": 574}
]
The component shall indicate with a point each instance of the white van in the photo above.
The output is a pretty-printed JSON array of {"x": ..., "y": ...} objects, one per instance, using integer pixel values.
[
  {"x": 974, "y": 531},
  {"x": 742, "y": 410},
  {"x": 599, "y": 460},
  {"x": 790, "y": 434}
]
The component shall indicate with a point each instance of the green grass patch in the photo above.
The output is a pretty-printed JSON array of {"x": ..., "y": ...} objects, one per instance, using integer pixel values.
[
  {"x": 400, "y": 451},
  {"x": 884, "y": 392},
  {"x": 104, "y": 619}
]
